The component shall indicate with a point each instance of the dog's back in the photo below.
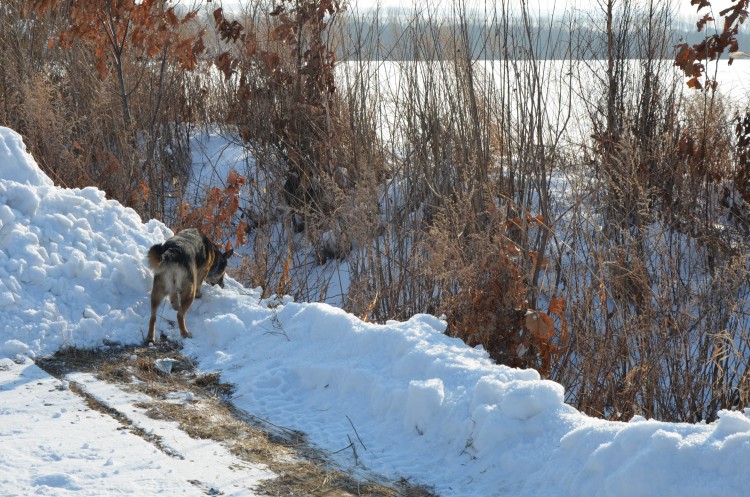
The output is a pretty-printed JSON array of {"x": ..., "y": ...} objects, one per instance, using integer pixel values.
[
  {"x": 189, "y": 248},
  {"x": 180, "y": 265},
  {"x": 176, "y": 263}
]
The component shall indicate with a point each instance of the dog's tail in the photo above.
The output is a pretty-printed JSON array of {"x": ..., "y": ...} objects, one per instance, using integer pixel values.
[{"x": 154, "y": 255}]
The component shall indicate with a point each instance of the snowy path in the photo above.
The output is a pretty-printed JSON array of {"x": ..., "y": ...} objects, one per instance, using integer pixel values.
[{"x": 54, "y": 444}]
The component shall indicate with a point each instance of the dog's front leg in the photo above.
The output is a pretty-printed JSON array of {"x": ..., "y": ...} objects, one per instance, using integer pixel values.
[{"x": 199, "y": 282}]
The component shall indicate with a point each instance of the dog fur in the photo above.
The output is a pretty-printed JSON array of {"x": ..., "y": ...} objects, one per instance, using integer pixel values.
[{"x": 181, "y": 265}]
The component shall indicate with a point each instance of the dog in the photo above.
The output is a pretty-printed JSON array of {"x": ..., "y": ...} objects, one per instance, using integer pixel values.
[{"x": 181, "y": 265}]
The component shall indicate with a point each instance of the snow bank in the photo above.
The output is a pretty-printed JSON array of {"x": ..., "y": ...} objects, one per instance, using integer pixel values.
[
  {"x": 71, "y": 264},
  {"x": 401, "y": 399}
]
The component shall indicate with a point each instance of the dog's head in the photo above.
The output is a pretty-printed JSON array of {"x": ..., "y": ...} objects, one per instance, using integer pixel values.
[{"x": 215, "y": 275}]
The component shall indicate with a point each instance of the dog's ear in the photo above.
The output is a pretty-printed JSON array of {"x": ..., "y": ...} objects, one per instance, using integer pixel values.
[{"x": 228, "y": 254}]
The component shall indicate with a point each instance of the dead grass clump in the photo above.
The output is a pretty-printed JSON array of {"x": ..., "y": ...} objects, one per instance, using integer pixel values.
[
  {"x": 482, "y": 279},
  {"x": 662, "y": 286}
]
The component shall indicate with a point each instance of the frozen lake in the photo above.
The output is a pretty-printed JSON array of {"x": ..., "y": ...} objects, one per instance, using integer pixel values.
[{"x": 569, "y": 91}]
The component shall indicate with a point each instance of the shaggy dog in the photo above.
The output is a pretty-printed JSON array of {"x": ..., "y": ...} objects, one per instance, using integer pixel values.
[{"x": 180, "y": 265}]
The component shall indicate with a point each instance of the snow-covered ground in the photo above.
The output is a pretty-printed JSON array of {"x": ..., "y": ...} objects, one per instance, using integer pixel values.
[
  {"x": 411, "y": 401},
  {"x": 54, "y": 444}
]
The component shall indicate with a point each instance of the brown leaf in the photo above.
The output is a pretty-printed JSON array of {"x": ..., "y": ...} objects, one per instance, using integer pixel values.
[
  {"x": 700, "y": 4},
  {"x": 172, "y": 17},
  {"x": 218, "y": 15},
  {"x": 703, "y": 21},
  {"x": 543, "y": 263},
  {"x": 540, "y": 324},
  {"x": 557, "y": 306},
  {"x": 223, "y": 63}
]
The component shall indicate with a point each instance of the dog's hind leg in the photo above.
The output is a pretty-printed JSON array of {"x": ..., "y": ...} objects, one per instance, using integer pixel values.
[
  {"x": 157, "y": 295},
  {"x": 186, "y": 300}
]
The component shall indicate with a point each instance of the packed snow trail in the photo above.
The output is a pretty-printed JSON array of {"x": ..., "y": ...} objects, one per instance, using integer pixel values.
[{"x": 54, "y": 444}]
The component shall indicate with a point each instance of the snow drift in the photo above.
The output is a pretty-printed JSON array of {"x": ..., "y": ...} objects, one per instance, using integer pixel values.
[{"x": 402, "y": 399}]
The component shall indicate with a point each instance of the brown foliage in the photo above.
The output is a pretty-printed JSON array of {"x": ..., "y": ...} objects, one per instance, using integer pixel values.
[
  {"x": 484, "y": 279},
  {"x": 642, "y": 276},
  {"x": 216, "y": 215},
  {"x": 690, "y": 58},
  {"x": 68, "y": 65},
  {"x": 293, "y": 83},
  {"x": 147, "y": 26},
  {"x": 491, "y": 311}
]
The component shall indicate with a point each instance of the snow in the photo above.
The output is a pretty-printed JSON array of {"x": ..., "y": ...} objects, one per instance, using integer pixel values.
[
  {"x": 400, "y": 399},
  {"x": 53, "y": 444}
]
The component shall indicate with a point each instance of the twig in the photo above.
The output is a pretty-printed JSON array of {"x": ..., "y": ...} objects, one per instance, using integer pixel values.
[
  {"x": 356, "y": 433},
  {"x": 276, "y": 324},
  {"x": 354, "y": 449},
  {"x": 342, "y": 450}
]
